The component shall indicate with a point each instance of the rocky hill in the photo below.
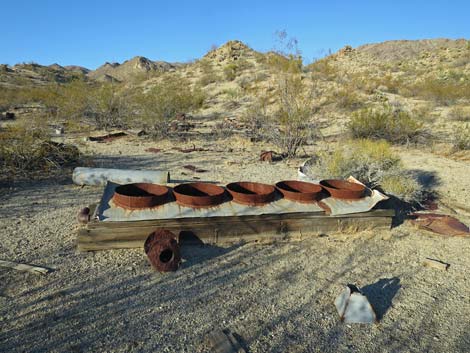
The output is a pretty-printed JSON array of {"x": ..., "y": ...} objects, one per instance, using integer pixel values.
[{"x": 129, "y": 69}]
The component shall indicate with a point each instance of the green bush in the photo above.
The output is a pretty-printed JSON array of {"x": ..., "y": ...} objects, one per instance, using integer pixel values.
[
  {"x": 387, "y": 123},
  {"x": 158, "y": 107},
  {"x": 371, "y": 162}
]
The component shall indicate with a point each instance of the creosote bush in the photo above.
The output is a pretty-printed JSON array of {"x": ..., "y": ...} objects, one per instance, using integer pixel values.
[
  {"x": 26, "y": 149},
  {"x": 387, "y": 122},
  {"x": 371, "y": 162},
  {"x": 462, "y": 139}
]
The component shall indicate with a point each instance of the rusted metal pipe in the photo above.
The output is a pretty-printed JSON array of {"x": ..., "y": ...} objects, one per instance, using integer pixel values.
[
  {"x": 199, "y": 194},
  {"x": 253, "y": 194},
  {"x": 299, "y": 191},
  {"x": 342, "y": 189},
  {"x": 163, "y": 251}
]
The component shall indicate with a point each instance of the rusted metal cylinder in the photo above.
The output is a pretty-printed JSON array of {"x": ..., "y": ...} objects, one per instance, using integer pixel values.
[
  {"x": 342, "y": 189},
  {"x": 252, "y": 194},
  {"x": 299, "y": 191},
  {"x": 199, "y": 195},
  {"x": 163, "y": 250},
  {"x": 84, "y": 215}
]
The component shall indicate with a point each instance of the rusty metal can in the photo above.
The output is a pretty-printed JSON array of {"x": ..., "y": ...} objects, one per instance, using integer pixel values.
[{"x": 163, "y": 251}]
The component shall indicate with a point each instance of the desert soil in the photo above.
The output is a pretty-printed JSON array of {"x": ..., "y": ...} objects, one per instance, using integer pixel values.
[{"x": 277, "y": 298}]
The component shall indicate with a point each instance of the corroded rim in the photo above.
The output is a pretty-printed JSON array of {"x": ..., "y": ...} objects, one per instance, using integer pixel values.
[
  {"x": 199, "y": 194},
  {"x": 342, "y": 189},
  {"x": 140, "y": 195},
  {"x": 253, "y": 194},
  {"x": 299, "y": 191}
]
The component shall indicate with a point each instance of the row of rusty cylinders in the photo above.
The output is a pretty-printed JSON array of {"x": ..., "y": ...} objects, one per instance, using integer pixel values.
[
  {"x": 143, "y": 195},
  {"x": 163, "y": 251}
]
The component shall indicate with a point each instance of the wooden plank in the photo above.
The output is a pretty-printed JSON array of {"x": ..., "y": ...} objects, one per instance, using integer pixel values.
[
  {"x": 220, "y": 232},
  {"x": 249, "y": 218}
]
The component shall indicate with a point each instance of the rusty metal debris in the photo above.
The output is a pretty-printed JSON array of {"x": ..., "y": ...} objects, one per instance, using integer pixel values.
[
  {"x": 266, "y": 156},
  {"x": 194, "y": 168},
  {"x": 354, "y": 307},
  {"x": 140, "y": 195},
  {"x": 84, "y": 215},
  {"x": 199, "y": 194},
  {"x": 299, "y": 191},
  {"x": 163, "y": 251},
  {"x": 441, "y": 224},
  {"x": 108, "y": 137},
  {"x": 189, "y": 150},
  {"x": 153, "y": 150},
  {"x": 253, "y": 194},
  {"x": 342, "y": 189}
]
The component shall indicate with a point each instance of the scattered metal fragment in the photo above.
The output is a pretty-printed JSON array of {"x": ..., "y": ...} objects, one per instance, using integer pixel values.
[
  {"x": 441, "y": 224},
  {"x": 189, "y": 150},
  {"x": 300, "y": 191},
  {"x": 199, "y": 194},
  {"x": 250, "y": 193},
  {"x": 354, "y": 307},
  {"x": 108, "y": 137},
  {"x": 266, "y": 156},
  {"x": 342, "y": 189},
  {"x": 84, "y": 215},
  {"x": 163, "y": 250},
  {"x": 194, "y": 168},
  {"x": 140, "y": 195},
  {"x": 440, "y": 265},
  {"x": 153, "y": 150}
]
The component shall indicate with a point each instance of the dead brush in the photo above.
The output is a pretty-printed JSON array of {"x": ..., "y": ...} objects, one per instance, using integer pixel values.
[{"x": 26, "y": 151}]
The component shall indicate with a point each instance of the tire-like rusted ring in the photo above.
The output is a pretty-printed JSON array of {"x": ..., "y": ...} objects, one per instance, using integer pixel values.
[
  {"x": 253, "y": 194},
  {"x": 199, "y": 194},
  {"x": 140, "y": 195},
  {"x": 163, "y": 251},
  {"x": 299, "y": 191},
  {"x": 342, "y": 189}
]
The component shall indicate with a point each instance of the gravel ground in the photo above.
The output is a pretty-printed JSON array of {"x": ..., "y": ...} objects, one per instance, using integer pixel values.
[{"x": 277, "y": 298}]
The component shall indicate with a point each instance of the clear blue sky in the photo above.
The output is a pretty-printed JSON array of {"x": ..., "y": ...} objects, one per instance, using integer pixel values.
[{"x": 88, "y": 33}]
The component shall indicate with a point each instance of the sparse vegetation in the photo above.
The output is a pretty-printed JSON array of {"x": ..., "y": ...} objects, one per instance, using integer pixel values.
[
  {"x": 386, "y": 122},
  {"x": 371, "y": 162},
  {"x": 462, "y": 139}
]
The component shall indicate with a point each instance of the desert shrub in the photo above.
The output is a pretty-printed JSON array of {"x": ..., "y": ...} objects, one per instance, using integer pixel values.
[
  {"x": 26, "y": 149},
  {"x": 230, "y": 71},
  {"x": 443, "y": 90},
  {"x": 459, "y": 113},
  {"x": 346, "y": 98},
  {"x": 461, "y": 139},
  {"x": 323, "y": 69},
  {"x": 371, "y": 162},
  {"x": 208, "y": 74},
  {"x": 386, "y": 122},
  {"x": 158, "y": 107}
]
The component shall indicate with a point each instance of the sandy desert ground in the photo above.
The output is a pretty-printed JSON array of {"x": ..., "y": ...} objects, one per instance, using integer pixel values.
[{"x": 277, "y": 298}]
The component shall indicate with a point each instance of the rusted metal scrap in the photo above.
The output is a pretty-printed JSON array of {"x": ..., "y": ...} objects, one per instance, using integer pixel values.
[
  {"x": 441, "y": 224},
  {"x": 84, "y": 215},
  {"x": 194, "y": 168},
  {"x": 108, "y": 137},
  {"x": 266, "y": 156},
  {"x": 163, "y": 251},
  {"x": 153, "y": 150}
]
